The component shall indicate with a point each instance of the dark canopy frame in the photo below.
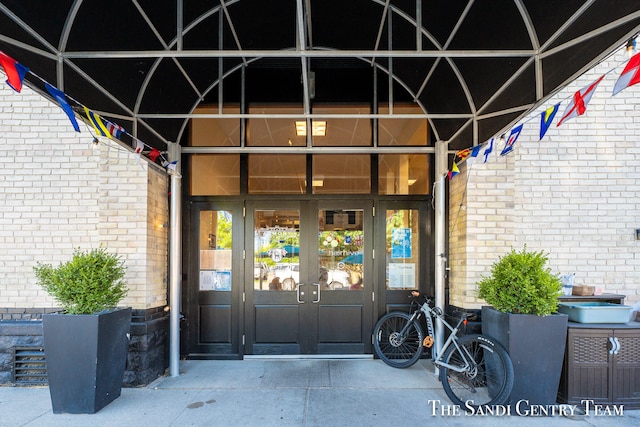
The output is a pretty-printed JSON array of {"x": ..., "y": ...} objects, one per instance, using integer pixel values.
[{"x": 474, "y": 67}]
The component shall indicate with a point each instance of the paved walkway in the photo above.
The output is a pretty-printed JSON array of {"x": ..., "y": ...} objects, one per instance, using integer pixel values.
[{"x": 282, "y": 392}]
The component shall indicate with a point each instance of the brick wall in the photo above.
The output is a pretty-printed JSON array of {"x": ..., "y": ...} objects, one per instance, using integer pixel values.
[
  {"x": 58, "y": 192},
  {"x": 575, "y": 195}
]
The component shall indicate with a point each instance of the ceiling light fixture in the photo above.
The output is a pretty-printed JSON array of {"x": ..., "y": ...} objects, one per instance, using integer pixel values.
[{"x": 318, "y": 128}]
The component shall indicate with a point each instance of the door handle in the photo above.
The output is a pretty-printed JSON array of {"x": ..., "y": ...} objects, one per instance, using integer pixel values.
[
  {"x": 316, "y": 293},
  {"x": 299, "y": 293},
  {"x": 615, "y": 346}
]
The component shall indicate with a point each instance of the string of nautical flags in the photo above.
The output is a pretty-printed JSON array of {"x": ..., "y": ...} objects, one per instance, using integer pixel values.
[
  {"x": 16, "y": 73},
  {"x": 576, "y": 107}
]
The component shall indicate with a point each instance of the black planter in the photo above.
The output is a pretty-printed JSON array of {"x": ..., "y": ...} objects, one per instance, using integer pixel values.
[
  {"x": 536, "y": 346},
  {"x": 86, "y": 357}
]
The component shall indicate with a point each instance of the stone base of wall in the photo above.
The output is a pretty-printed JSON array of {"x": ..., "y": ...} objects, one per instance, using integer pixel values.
[{"x": 148, "y": 356}]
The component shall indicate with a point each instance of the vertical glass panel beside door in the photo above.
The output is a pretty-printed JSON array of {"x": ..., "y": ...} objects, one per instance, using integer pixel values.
[
  {"x": 213, "y": 297},
  {"x": 406, "y": 264}
]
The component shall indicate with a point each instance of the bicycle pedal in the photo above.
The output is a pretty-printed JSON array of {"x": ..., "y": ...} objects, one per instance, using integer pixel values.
[{"x": 427, "y": 341}]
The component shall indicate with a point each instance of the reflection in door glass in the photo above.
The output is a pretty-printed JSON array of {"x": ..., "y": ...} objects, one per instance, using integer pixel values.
[
  {"x": 215, "y": 250},
  {"x": 402, "y": 249},
  {"x": 340, "y": 249},
  {"x": 276, "y": 265}
]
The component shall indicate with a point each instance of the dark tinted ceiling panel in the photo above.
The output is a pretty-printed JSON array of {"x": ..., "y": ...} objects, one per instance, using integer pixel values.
[
  {"x": 168, "y": 91},
  {"x": 204, "y": 35},
  {"x": 143, "y": 28},
  {"x": 163, "y": 16},
  {"x": 440, "y": 18},
  {"x": 549, "y": 18},
  {"x": 443, "y": 93},
  {"x": 128, "y": 31},
  {"x": 53, "y": 13},
  {"x": 485, "y": 76},
  {"x": 343, "y": 24},
  {"x": 500, "y": 24},
  {"x": 255, "y": 21},
  {"x": 489, "y": 128},
  {"x": 599, "y": 14},
  {"x": 126, "y": 83},
  {"x": 521, "y": 91}
]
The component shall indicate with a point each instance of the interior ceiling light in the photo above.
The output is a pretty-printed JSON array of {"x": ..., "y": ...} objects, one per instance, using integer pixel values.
[
  {"x": 411, "y": 181},
  {"x": 318, "y": 128}
]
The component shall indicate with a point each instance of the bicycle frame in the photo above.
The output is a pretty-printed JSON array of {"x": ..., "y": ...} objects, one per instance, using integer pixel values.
[{"x": 429, "y": 314}]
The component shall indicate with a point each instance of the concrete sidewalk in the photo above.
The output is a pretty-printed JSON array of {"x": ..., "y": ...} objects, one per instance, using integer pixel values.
[{"x": 282, "y": 392}]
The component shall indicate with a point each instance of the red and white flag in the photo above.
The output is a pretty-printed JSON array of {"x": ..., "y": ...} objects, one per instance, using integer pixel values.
[
  {"x": 630, "y": 75},
  {"x": 578, "y": 104}
]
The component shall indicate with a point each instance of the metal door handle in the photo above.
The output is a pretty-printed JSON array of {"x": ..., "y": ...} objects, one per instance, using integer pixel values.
[
  {"x": 316, "y": 293},
  {"x": 617, "y": 349},
  {"x": 299, "y": 294}
]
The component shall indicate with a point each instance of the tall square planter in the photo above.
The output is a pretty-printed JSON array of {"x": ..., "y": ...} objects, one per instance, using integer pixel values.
[
  {"x": 536, "y": 346},
  {"x": 86, "y": 356}
]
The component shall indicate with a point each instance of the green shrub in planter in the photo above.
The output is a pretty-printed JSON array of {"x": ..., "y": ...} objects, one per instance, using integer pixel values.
[
  {"x": 92, "y": 281},
  {"x": 521, "y": 284}
]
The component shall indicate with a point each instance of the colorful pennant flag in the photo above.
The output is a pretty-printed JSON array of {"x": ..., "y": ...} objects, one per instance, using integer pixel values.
[
  {"x": 97, "y": 123},
  {"x": 170, "y": 166},
  {"x": 463, "y": 154},
  {"x": 59, "y": 96},
  {"x": 581, "y": 98},
  {"x": 154, "y": 154},
  {"x": 14, "y": 70},
  {"x": 546, "y": 118},
  {"x": 487, "y": 151},
  {"x": 630, "y": 75},
  {"x": 513, "y": 137},
  {"x": 138, "y": 150},
  {"x": 454, "y": 171},
  {"x": 113, "y": 128}
]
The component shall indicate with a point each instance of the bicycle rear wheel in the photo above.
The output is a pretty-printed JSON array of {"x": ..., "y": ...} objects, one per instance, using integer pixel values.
[
  {"x": 394, "y": 348},
  {"x": 489, "y": 379}
]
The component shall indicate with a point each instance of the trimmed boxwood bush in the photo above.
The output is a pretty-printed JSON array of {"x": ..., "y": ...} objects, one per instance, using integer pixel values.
[
  {"x": 520, "y": 283},
  {"x": 92, "y": 281}
]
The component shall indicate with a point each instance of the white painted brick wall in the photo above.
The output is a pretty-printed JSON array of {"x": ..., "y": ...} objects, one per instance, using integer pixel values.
[
  {"x": 58, "y": 193},
  {"x": 575, "y": 195}
]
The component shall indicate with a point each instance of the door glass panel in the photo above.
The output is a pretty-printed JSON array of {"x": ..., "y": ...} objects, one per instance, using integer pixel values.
[
  {"x": 341, "y": 174},
  {"x": 403, "y": 174},
  {"x": 277, "y": 173},
  {"x": 340, "y": 250},
  {"x": 402, "y": 249},
  {"x": 276, "y": 265},
  {"x": 215, "y": 250}
]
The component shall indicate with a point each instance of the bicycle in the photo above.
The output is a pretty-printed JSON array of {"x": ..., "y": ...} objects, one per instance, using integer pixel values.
[{"x": 475, "y": 370}]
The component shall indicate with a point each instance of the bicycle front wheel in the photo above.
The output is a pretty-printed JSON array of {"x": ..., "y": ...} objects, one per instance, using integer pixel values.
[
  {"x": 395, "y": 348},
  {"x": 488, "y": 378}
]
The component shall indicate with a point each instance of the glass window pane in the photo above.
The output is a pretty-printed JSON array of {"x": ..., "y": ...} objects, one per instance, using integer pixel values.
[
  {"x": 341, "y": 174},
  {"x": 215, "y": 250},
  {"x": 402, "y": 132},
  {"x": 340, "y": 250},
  {"x": 215, "y": 132},
  {"x": 277, "y": 173},
  {"x": 403, "y": 174},
  {"x": 354, "y": 132},
  {"x": 215, "y": 174},
  {"x": 402, "y": 249},
  {"x": 276, "y": 265},
  {"x": 274, "y": 132}
]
